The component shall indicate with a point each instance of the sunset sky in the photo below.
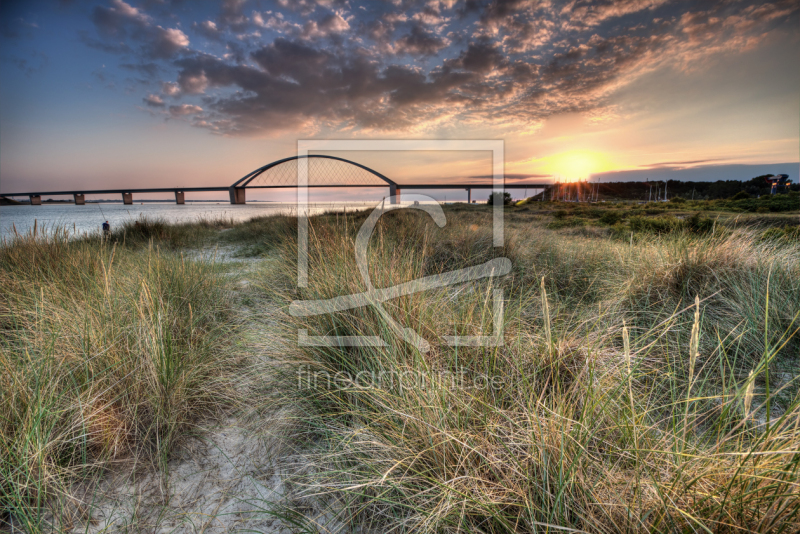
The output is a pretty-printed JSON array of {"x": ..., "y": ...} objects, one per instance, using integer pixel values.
[{"x": 161, "y": 94}]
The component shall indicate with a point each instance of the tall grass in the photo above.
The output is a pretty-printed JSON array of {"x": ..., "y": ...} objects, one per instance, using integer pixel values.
[
  {"x": 108, "y": 353},
  {"x": 640, "y": 386}
]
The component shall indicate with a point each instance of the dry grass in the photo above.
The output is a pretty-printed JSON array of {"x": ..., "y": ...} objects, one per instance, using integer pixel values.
[
  {"x": 645, "y": 384},
  {"x": 621, "y": 405},
  {"x": 108, "y": 353}
]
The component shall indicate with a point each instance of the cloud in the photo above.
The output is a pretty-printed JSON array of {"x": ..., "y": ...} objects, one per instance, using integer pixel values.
[
  {"x": 209, "y": 30},
  {"x": 148, "y": 69},
  {"x": 275, "y": 22},
  {"x": 170, "y": 88},
  {"x": 116, "y": 19},
  {"x": 420, "y": 42},
  {"x": 154, "y": 101},
  {"x": 481, "y": 56},
  {"x": 166, "y": 42},
  {"x": 700, "y": 173},
  {"x": 184, "y": 109},
  {"x": 327, "y": 26},
  {"x": 192, "y": 83},
  {"x": 34, "y": 62},
  {"x": 121, "y": 20},
  {"x": 508, "y": 176},
  {"x": 232, "y": 15},
  {"x": 17, "y": 27},
  {"x": 431, "y": 65},
  {"x": 681, "y": 164},
  {"x": 430, "y": 15},
  {"x": 592, "y": 13}
]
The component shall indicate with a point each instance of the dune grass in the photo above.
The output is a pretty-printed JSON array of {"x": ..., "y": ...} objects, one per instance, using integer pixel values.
[
  {"x": 644, "y": 385},
  {"x": 646, "y": 380},
  {"x": 111, "y": 351}
]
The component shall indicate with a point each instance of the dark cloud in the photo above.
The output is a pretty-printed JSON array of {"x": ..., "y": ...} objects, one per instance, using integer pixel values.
[
  {"x": 481, "y": 56},
  {"x": 508, "y": 176},
  {"x": 33, "y": 63},
  {"x": 330, "y": 25},
  {"x": 701, "y": 173},
  {"x": 150, "y": 69},
  {"x": 116, "y": 19},
  {"x": 312, "y": 65},
  {"x": 117, "y": 48},
  {"x": 170, "y": 89},
  {"x": 232, "y": 15},
  {"x": 690, "y": 163},
  {"x": 209, "y": 30},
  {"x": 420, "y": 42},
  {"x": 120, "y": 20}
]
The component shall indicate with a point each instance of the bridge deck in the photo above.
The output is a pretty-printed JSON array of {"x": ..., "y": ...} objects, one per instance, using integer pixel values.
[{"x": 206, "y": 189}]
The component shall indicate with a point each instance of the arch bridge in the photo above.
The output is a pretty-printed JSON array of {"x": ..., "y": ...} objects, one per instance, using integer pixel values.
[{"x": 323, "y": 171}]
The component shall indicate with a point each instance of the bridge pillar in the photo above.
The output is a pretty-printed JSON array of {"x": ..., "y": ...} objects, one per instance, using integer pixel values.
[
  {"x": 180, "y": 198},
  {"x": 80, "y": 199},
  {"x": 127, "y": 198},
  {"x": 469, "y": 196},
  {"x": 237, "y": 195},
  {"x": 394, "y": 192},
  {"x": 36, "y": 200}
]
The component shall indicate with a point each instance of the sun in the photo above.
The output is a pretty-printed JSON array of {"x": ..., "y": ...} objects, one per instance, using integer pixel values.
[{"x": 574, "y": 165}]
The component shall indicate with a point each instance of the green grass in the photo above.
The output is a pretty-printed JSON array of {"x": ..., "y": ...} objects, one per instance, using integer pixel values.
[
  {"x": 620, "y": 406},
  {"x": 142, "y": 231},
  {"x": 110, "y": 351}
]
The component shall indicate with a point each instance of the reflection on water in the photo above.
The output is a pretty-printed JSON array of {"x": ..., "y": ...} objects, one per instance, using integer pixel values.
[{"x": 89, "y": 217}]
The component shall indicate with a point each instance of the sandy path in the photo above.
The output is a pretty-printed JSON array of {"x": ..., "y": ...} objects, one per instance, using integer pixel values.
[{"x": 228, "y": 479}]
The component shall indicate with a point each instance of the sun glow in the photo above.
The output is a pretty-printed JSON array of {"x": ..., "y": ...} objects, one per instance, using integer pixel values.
[{"x": 574, "y": 165}]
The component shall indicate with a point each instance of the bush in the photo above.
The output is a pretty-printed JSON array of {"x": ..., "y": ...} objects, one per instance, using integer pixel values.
[
  {"x": 595, "y": 213},
  {"x": 678, "y": 200},
  {"x": 611, "y": 217},
  {"x": 506, "y": 198},
  {"x": 787, "y": 235},
  {"x": 699, "y": 224},
  {"x": 656, "y": 225},
  {"x": 566, "y": 223},
  {"x": 741, "y": 195}
]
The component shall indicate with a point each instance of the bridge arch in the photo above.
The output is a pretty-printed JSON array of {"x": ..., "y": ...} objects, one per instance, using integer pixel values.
[{"x": 323, "y": 171}]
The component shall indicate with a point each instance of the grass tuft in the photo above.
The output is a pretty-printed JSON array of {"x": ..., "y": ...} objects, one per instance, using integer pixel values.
[{"x": 108, "y": 354}]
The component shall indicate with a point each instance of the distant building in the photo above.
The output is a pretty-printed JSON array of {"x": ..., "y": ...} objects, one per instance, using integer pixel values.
[{"x": 781, "y": 181}]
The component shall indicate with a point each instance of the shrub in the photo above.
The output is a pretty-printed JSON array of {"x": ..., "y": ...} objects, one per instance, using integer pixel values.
[
  {"x": 678, "y": 200},
  {"x": 506, "y": 198},
  {"x": 566, "y": 223},
  {"x": 595, "y": 213},
  {"x": 611, "y": 217},
  {"x": 741, "y": 195},
  {"x": 699, "y": 224},
  {"x": 656, "y": 225},
  {"x": 787, "y": 234}
]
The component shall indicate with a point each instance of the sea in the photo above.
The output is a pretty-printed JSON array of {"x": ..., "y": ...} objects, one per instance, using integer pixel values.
[{"x": 80, "y": 220}]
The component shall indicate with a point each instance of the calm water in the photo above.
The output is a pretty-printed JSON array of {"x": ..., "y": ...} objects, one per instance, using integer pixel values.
[{"x": 88, "y": 218}]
